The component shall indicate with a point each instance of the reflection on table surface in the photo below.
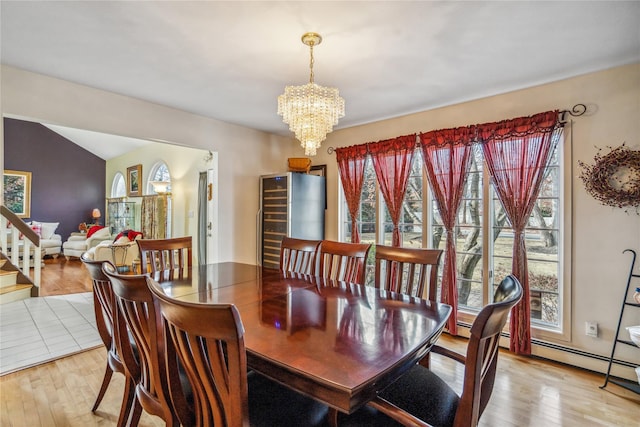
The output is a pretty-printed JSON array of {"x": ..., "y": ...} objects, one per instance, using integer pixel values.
[{"x": 337, "y": 341}]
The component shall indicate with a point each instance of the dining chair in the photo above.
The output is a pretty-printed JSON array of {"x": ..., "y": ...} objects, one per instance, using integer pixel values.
[
  {"x": 298, "y": 255},
  {"x": 157, "y": 372},
  {"x": 106, "y": 313},
  {"x": 209, "y": 342},
  {"x": 343, "y": 261},
  {"x": 421, "y": 398},
  {"x": 165, "y": 254},
  {"x": 408, "y": 270}
]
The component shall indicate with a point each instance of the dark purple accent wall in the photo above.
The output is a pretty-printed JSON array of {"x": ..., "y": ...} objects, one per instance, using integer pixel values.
[{"x": 67, "y": 181}]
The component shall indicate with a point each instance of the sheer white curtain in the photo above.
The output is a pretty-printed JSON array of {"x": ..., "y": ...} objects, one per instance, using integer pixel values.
[{"x": 154, "y": 213}]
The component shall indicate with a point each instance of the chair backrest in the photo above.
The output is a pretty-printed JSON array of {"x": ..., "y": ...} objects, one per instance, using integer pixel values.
[
  {"x": 343, "y": 261},
  {"x": 103, "y": 304},
  {"x": 165, "y": 254},
  {"x": 482, "y": 352},
  {"x": 298, "y": 255},
  {"x": 408, "y": 270},
  {"x": 143, "y": 320},
  {"x": 209, "y": 342}
]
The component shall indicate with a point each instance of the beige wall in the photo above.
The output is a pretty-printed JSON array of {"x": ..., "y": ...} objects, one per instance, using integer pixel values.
[
  {"x": 185, "y": 165},
  {"x": 599, "y": 234}
]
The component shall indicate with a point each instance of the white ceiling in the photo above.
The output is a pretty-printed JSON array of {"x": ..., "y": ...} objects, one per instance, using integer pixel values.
[
  {"x": 103, "y": 145},
  {"x": 230, "y": 60}
]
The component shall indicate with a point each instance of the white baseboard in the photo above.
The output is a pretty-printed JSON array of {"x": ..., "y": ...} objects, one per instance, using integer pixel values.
[{"x": 569, "y": 356}]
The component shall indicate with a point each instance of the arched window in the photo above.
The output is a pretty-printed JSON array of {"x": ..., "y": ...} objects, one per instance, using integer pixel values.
[
  {"x": 159, "y": 173},
  {"x": 118, "y": 186}
]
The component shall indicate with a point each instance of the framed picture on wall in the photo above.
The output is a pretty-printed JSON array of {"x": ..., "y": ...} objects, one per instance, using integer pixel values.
[
  {"x": 134, "y": 177},
  {"x": 17, "y": 192}
]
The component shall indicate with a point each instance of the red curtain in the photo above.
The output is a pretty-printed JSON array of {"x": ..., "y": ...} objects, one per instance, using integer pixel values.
[
  {"x": 392, "y": 162},
  {"x": 517, "y": 152},
  {"x": 447, "y": 156},
  {"x": 351, "y": 162}
]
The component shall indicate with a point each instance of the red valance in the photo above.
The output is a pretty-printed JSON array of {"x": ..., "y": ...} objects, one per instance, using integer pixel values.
[
  {"x": 521, "y": 126},
  {"x": 462, "y": 135},
  {"x": 353, "y": 152},
  {"x": 401, "y": 143}
]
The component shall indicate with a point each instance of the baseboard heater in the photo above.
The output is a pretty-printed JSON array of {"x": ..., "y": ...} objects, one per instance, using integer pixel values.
[{"x": 570, "y": 356}]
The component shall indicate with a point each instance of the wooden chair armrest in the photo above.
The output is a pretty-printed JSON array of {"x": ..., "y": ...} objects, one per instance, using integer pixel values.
[
  {"x": 449, "y": 353},
  {"x": 396, "y": 413}
]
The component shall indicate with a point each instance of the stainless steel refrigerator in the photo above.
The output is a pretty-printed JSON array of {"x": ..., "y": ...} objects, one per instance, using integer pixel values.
[{"x": 291, "y": 204}]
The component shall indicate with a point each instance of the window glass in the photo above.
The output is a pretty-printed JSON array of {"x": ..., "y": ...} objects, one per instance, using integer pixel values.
[
  {"x": 160, "y": 172},
  {"x": 412, "y": 208},
  {"x": 542, "y": 239},
  {"x": 119, "y": 186},
  {"x": 477, "y": 238},
  {"x": 469, "y": 238}
]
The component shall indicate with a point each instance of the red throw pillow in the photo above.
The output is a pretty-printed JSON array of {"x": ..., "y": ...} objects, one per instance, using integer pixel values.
[
  {"x": 37, "y": 228},
  {"x": 133, "y": 234},
  {"x": 129, "y": 234},
  {"x": 93, "y": 229}
]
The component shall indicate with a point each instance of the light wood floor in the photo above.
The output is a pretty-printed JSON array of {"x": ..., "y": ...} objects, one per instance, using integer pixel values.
[
  {"x": 61, "y": 276},
  {"x": 527, "y": 392}
]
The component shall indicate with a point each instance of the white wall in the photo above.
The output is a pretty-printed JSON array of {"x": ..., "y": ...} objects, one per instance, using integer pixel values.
[
  {"x": 29, "y": 96},
  {"x": 598, "y": 267}
]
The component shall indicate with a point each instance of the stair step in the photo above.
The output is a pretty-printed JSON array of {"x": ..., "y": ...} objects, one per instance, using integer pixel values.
[
  {"x": 7, "y": 278},
  {"x": 15, "y": 293}
]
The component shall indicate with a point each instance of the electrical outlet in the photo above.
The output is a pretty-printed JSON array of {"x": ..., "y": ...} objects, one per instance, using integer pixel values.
[{"x": 591, "y": 329}]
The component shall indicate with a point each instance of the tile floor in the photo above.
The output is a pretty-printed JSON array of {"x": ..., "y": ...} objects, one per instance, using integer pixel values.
[{"x": 38, "y": 330}]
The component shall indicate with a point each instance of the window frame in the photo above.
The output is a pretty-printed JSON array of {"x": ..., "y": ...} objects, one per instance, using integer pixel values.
[
  {"x": 465, "y": 316},
  {"x": 117, "y": 178},
  {"x": 152, "y": 175}
]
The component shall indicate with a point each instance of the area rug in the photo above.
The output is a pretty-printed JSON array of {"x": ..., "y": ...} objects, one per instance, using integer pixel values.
[{"x": 42, "y": 329}]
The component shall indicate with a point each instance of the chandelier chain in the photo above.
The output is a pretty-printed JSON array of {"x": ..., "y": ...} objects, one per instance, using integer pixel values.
[{"x": 311, "y": 62}]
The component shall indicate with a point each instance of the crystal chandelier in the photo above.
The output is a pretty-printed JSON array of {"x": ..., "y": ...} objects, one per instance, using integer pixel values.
[{"x": 311, "y": 110}]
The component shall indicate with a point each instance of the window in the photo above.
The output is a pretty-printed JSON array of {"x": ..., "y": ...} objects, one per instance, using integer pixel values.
[
  {"x": 411, "y": 220},
  {"x": 484, "y": 240},
  {"x": 543, "y": 239},
  {"x": 469, "y": 237},
  {"x": 159, "y": 172},
  {"x": 119, "y": 186}
]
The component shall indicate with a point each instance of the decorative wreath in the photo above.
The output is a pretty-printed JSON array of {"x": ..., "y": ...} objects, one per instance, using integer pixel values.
[{"x": 614, "y": 179}]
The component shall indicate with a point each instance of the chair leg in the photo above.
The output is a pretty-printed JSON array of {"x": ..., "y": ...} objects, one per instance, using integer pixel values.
[
  {"x": 128, "y": 399},
  {"x": 136, "y": 412},
  {"x": 108, "y": 373},
  {"x": 426, "y": 361},
  {"x": 332, "y": 417}
]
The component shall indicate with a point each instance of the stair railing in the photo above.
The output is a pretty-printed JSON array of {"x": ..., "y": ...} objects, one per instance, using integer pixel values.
[{"x": 29, "y": 239}]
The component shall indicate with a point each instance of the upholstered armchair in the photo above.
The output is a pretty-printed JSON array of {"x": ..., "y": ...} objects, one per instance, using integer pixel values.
[
  {"x": 79, "y": 243},
  {"x": 122, "y": 251}
]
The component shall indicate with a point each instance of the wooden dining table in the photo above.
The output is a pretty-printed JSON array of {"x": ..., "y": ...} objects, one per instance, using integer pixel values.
[{"x": 337, "y": 342}]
